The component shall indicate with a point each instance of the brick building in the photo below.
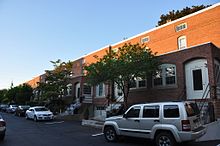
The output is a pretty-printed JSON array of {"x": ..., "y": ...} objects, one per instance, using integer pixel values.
[{"x": 189, "y": 50}]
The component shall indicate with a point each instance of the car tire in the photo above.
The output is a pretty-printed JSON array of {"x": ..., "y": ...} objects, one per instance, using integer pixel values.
[
  {"x": 26, "y": 116},
  {"x": 35, "y": 118},
  {"x": 2, "y": 137},
  {"x": 165, "y": 138},
  {"x": 110, "y": 134}
]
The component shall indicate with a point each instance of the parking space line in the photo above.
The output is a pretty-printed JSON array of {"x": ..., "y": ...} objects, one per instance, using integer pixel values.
[
  {"x": 99, "y": 134},
  {"x": 51, "y": 123}
]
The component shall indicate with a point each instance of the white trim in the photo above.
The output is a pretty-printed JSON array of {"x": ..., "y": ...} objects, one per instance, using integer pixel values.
[
  {"x": 182, "y": 42},
  {"x": 174, "y": 51},
  {"x": 159, "y": 27},
  {"x": 148, "y": 39},
  {"x": 182, "y": 24}
]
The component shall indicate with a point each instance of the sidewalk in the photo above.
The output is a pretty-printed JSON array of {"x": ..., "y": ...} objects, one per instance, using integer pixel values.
[{"x": 213, "y": 132}]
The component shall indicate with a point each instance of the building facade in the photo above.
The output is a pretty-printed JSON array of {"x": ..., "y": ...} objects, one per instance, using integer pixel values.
[{"x": 189, "y": 50}]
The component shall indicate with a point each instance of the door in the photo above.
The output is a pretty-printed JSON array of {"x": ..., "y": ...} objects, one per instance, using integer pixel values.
[
  {"x": 130, "y": 124},
  {"x": 196, "y": 77},
  {"x": 150, "y": 118}
]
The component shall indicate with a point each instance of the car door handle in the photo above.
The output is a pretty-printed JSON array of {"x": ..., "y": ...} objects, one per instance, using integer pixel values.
[
  {"x": 137, "y": 120},
  {"x": 156, "y": 120}
]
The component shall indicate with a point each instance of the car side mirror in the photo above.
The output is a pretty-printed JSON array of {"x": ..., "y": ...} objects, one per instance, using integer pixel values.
[{"x": 125, "y": 116}]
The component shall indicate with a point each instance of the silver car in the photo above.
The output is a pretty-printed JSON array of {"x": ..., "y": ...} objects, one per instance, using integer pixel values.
[
  {"x": 167, "y": 123},
  {"x": 2, "y": 128}
]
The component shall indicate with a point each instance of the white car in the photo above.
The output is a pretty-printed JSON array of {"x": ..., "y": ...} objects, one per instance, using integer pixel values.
[{"x": 39, "y": 113}]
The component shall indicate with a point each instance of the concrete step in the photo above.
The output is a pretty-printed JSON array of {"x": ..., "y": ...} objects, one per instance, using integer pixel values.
[{"x": 93, "y": 123}]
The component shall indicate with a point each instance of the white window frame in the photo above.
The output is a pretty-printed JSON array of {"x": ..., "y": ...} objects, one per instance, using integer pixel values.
[
  {"x": 145, "y": 39},
  {"x": 182, "y": 45},
  {"x": 85, "y": 84},
  {"x": 69, "y": 89},
  {"x": 181, "y": 27},
  {"x": 98, "y": 90},
  {"x": 217, "y": 75},
  {"x": 163, "y": 68},
  {"x": 137, "y": 85}
]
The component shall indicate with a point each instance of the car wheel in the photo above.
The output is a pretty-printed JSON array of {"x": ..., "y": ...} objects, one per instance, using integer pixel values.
[
  {"x": 26, "y": 116},
  {"x": 165, "y": 139},
  {"x": 110, "y": 134},
  {"x": 35, "y": 118},
  {"x": 2, "y": 137}
]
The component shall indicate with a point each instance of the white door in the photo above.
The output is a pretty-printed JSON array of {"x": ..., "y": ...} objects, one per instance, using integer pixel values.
[{"x": 196, "y": 76}]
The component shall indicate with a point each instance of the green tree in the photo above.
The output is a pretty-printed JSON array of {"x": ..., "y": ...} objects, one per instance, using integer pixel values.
[
  {"x": 56, "y": 80},
  {"x": 11, "y": 94},
  {"x": 24, "y": 93},
  {"x": 173, "y": 15},
  {"x": 3, "y": 97},
  {"x": 122, "y": 67}
]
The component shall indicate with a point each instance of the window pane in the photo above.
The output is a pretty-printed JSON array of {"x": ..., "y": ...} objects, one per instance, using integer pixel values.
[
  {"x": 192, "y": 109},
  {"x": 100, "y": 89},
  {"x": 170, "y": 75},
  {"x": 151, "y": 112},
  {"x": 134, "y": 112},
  {"x": 182, "y": 42},
  {"x": 171, "y": 111},
  {"x": 142, "y": 83},
  {"x": 133, "y": 84},
  {"x": 158, "y": 78},
  {"x": 197, "y": 79},
  {"x": 86, "y": 89}
]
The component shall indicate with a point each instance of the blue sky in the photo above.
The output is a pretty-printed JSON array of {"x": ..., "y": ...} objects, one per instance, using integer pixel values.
[{"x": 34, "y": 32}]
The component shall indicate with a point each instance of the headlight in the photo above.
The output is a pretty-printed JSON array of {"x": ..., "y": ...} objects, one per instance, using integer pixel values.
[{"x": 39, "y": 115}]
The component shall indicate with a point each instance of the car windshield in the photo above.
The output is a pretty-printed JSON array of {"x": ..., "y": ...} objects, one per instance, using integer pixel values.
[
  {"x": 41, "y": 109},
  {"x": 13, "y": 105},
  {"x": 24, "y": 106},
  {"x": 192, "y": 109}
]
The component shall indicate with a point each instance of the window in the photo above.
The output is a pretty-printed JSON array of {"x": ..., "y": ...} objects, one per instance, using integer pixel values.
[
  {"x": 145, "y": 40},
  {"x": 181, "y": 27},
  {"x": 87, "y": 89},
  {"x": 171, "y": 111},
  {"x": 192, "y": 109},
  {"x": 182, "y": 42},
  {"x": 217, "y": 73},
  {"x": 151, "y": 111},
  {"x": 100, "y": 90},
  {"x": 138, "y": 83},
  {"x": 69, "y": 89},
  {"x": 100, "y": 107},
  {"x": 165, "y": 75},
  {"x": 133, "y": 112}
]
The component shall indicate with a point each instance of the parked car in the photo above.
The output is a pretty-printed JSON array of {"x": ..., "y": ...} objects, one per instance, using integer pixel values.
[
  {"x": 39, "y": 113},
  {"x": 11, "y": 108},
  {"x": 3, "y": 107},
  {"x": 21, "y": 110},
  {"x": 167, "y": 123},
  {"x": 2, "y": 128}
]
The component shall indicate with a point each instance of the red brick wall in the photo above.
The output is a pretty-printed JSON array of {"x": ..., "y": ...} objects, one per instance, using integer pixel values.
[{"x": 179, "y": 58}]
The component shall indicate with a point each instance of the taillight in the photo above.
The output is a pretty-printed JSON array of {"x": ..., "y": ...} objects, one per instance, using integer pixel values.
[
  {"x": 186, "y": 125},
  {"x": 2, "y": 123}
]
